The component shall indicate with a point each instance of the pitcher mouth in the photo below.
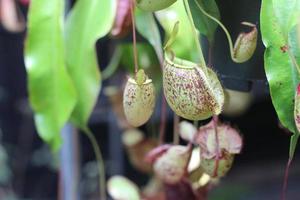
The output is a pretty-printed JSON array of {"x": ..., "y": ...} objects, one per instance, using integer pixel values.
[
  {"x": 180, "y": 63},
  {"x": 132, "y": 80}
]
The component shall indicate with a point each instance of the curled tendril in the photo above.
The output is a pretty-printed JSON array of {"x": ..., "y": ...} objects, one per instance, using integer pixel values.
[{"x": 245, "y": 44}]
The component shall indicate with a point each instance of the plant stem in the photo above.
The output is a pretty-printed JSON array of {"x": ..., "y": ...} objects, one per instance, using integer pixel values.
[
  {"x": 217, "y": 159},
  {"x": 196, "y": 123},
  {"x": 293, "y": 144},
  {"x": 175, "y": 129},
  {"x": 199, "y": 49},
  {"x": 132, "y": 3},
  {"x": 100, "y": 162},
  {"x": 285, "y": 181},
  {"x": 222, "y": 26}
]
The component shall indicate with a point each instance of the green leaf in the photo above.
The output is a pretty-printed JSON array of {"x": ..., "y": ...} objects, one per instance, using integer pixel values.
[
  {"x": 205, "y": 25},
  {"x": 147, "y": 27},
  {"x": 184, "y": 45},
  {"x": 172, "y": 36},
  {"x": 86, "y": 23},
  {"x": 51, "y": 92},
  {"x": 281, "y": 72},
  {"x": 287, "y": 14}
]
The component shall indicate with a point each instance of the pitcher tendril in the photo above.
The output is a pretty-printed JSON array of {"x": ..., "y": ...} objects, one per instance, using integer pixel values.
[
  {"x": 132, "y": 3},
  {"x": 245, "y": 44},
  {"x": 100, "y": 162},
  {"x": 218, "y": 22}
]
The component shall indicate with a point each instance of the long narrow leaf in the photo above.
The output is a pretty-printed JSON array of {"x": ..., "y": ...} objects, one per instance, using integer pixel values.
[
  {"x": 51, "y": 92},
  {"x": 87, "y": 22}
]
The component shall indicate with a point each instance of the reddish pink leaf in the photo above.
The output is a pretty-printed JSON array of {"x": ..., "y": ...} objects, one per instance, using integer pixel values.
[
  {"x": 123, "y": 21},
  {"x": 11, "y": 17},
  {"x": 156, "y": 152}
]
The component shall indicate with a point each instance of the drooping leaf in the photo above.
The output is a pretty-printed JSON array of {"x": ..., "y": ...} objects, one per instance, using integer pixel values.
[
  {"x": 147, "y": 27},
  {"x": 184, "y": 46},
  {"x": 280, "y": 60},
  {"x": 86, "y": 23},
  {"x": 205, "y": 25},
  {"x": 51, "y": 92}
]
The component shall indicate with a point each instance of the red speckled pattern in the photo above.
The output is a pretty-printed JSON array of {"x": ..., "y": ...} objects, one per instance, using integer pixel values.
[
  {"x": 190, "y": 93},
  {"x": 138, "y": 102},
  {"x": 219, "y": 143},
  {"x": 245, "y": 46}
]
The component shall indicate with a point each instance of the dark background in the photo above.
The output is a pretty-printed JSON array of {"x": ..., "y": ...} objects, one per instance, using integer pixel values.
[{"x": 256, "y": 174}]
